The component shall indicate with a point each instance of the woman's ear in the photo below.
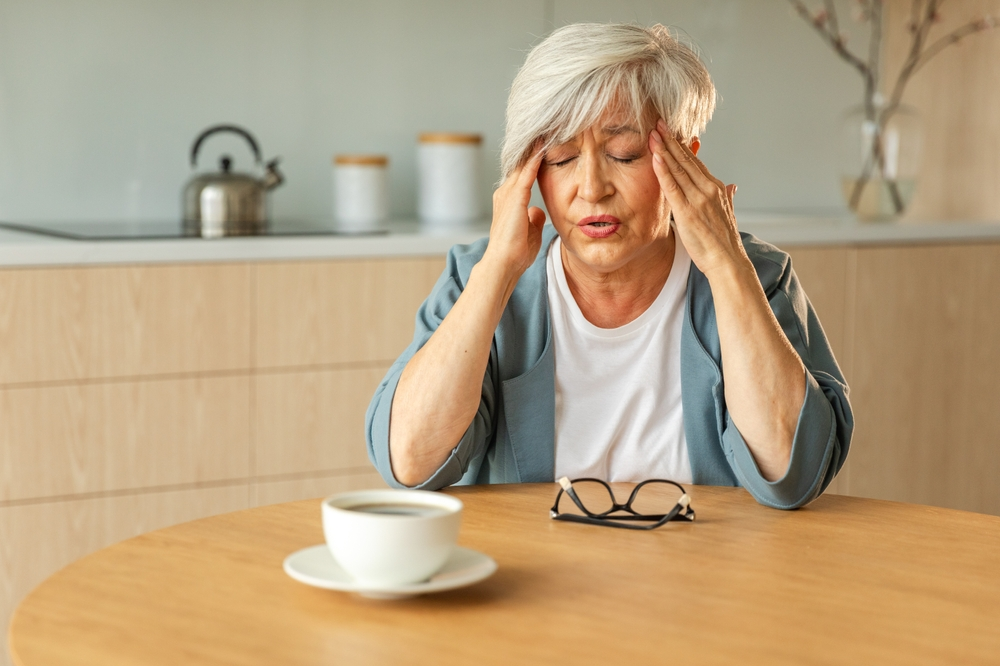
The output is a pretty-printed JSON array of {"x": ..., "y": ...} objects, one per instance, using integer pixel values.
[{"x": 695, "y": 145}]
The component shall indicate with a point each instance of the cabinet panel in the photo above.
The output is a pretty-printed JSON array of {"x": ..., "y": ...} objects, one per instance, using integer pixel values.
[
  {"x": 275, "y": 492},
  {"x": 75, "y": 323},
  {"x": 339, "y": 311},
  {"x": 58, "y": 440},
  {"x": 824, "y": 274},
  {"x": 924, "y": 384},
  {"x": 309, "y": 421},
  {"x": 39, "y": 539}
]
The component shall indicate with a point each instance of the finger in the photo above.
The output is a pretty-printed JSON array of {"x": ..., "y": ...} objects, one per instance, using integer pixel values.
[
  {"x": 704, "y": 169},
  {"x": 536, "y": 216},
  {"x": 529, "y": 172},
  {"x": 686, "y": 158},
  {"x": 679, "y": 175},
  {"x": 671, "y": 189}
]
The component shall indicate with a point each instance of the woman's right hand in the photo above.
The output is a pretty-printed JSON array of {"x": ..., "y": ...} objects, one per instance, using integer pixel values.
[
  {"x": 440, "y": 389},
  {"x": 516, "y": 231}
]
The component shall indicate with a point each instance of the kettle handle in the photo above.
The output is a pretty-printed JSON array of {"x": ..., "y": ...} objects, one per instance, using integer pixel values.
[{"x": 223, "y": 128}]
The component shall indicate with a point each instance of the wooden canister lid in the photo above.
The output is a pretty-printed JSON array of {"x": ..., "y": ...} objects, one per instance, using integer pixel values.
[
  {"x": 450, "y": 137},
  {"x": 362, "y": 160}
]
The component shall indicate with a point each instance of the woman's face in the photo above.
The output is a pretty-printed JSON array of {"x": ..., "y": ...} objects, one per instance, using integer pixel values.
[{"x": 603, "y": 196}]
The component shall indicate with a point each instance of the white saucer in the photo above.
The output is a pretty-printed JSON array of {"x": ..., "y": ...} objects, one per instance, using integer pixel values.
[{"x": 315, "y": 566}]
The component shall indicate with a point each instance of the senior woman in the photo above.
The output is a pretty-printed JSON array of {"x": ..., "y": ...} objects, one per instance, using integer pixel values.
[{"x": 640, "y": 335}]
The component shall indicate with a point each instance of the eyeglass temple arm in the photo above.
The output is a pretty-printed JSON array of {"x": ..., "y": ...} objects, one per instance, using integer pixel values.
[{"x": 567, "y": 486}]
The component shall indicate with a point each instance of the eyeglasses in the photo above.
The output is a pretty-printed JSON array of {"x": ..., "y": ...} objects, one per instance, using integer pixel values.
[{"x": 655, "y": 502}]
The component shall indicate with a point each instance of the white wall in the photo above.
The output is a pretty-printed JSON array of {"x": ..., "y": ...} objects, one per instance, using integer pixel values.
[{"x": 101, "y": 99}]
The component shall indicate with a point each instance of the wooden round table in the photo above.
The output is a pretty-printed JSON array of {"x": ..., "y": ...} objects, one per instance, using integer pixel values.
[{"x": 842, "y": 581}]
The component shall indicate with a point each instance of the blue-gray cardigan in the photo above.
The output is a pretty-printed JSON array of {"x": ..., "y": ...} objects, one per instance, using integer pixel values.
[{"x": 512, "y": 437}]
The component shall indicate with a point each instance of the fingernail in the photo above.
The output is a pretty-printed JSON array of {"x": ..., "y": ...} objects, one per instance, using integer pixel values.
[
  {"x": 656, "y": 137},
  {"x": 657, "y": 158}
]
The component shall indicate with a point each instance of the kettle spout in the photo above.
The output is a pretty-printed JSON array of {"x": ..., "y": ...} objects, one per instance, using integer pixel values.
[{"x": 272, "y": 176}]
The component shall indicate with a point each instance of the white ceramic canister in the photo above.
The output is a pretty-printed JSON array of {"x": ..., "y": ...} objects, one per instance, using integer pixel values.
[
  {"x": 449, "y": 169},
  {"x": 360, "y": 191}
]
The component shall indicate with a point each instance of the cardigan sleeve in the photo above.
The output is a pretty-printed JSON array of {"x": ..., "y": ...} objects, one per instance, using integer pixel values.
[
  {"x": 476, "y": 438},
  {"x": 826, "y": 422}
]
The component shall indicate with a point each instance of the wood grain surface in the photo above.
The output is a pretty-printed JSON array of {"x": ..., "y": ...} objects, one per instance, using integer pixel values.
[
  {"x": 59, "y": 324},
  {"x": 924, "y": 379},
  {"x": 312, "y": 420},
  {"x": 342, "y": 311},
  {"x": 842, "y": 581},
  {"x": 112, "y": 436},
  {"x": 39, "y": 539}
]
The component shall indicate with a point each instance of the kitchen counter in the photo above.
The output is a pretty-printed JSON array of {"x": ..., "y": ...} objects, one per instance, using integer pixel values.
[{"x": 407, "y": 238}]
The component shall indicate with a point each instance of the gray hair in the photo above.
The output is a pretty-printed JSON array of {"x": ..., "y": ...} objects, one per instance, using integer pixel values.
[{"x": 580, "y": 71}]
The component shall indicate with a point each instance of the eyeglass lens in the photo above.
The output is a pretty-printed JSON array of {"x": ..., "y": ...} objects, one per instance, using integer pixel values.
[
  {"x": 593, "y": 495},
  {"x": 656, "y": 498},
  {"x": 652, "y": 498}
]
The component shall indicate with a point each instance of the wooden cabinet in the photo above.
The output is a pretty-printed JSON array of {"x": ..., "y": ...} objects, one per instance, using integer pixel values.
[
  {"x": 926, "y": 357},
  {"x": 826, "y": 274},
  {"x": 349, "y": 311},
  {"x": 136, "y": 397},
  {"x": 916, "y": 331},
  {"x": 64, "y": 324}
]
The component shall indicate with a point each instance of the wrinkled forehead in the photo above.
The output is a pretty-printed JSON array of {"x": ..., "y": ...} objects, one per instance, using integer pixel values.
[{"x": 615, "y": 120}]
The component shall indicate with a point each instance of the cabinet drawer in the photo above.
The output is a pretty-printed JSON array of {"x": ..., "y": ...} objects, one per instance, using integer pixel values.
[
  {"x": 85, "y": 323},
  {"x": 339, "y": 311}
]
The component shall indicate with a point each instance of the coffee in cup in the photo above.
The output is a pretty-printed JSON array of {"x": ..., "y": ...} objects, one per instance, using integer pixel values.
[{"x": 386, "y": 538}]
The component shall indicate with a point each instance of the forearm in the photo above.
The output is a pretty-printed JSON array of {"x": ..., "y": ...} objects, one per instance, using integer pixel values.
[
  {"x": 764, "y": 376},
  {"x": 440, "y": 389}
]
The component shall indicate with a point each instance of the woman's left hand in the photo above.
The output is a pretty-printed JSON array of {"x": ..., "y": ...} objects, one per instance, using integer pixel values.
[{"x": 701, "y": 204}]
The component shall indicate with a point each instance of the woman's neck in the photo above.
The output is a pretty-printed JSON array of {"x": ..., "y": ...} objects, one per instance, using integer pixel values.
[{"x": 615, "y": 298}]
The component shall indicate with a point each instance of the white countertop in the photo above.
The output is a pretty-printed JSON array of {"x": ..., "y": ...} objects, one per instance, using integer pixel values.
[{"x": 407, "y": 238}]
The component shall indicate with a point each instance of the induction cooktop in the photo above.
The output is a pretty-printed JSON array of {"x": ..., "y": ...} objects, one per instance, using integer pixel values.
[{"x": 160, "y": 229}]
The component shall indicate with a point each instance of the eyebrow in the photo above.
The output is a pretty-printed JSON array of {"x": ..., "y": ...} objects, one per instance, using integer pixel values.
[{"x": 616, "y": 130}]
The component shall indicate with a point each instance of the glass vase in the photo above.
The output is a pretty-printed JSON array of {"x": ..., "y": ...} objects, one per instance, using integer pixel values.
[{"x": 881, "y": 149}]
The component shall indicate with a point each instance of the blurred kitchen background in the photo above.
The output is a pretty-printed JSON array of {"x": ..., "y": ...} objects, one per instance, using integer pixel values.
[
  {"x": 101, "y": 99},
  {"x": 145, "y": 383}
]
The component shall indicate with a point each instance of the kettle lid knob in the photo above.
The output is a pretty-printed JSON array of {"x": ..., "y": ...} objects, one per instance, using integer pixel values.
[{"x": 225, "y": 163}]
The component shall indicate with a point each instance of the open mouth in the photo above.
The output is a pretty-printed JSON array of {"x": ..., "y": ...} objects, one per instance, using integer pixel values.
[{"x": 599, "y": 226}]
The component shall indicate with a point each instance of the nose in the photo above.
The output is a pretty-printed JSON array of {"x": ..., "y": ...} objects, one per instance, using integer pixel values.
[{"x": 594, "y": 184}]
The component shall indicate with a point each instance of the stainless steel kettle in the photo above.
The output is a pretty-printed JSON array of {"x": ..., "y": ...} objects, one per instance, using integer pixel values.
[{"x": 224, "y": 202}]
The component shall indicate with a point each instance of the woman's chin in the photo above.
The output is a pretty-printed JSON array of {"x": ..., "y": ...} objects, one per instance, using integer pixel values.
[{"x": 603, "y": 255}]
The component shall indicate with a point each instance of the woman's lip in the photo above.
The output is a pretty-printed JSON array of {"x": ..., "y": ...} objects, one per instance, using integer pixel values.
[
  {"x": 598, "y": 218},
  {"x": 609, "y": 226},
  {"x": 592, "y": 231}
]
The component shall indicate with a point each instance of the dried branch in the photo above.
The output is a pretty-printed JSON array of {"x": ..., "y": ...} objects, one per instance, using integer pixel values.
[
  {"x": 835, "y": 41},
  {"x": 923, "y": 15},
  {"x": 874, "y": 52},
  {"x": 955, "y": 36},
  {"x": 915, "y": 12},
  {"x": 831, "y": 17},
  {"x": 920, "y": 31}
]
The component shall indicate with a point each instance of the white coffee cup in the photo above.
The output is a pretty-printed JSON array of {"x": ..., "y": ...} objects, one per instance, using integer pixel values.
[{"x": 385, "y": 538}]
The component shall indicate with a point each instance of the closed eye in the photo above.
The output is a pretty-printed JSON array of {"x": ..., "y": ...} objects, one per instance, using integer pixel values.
[
  {"x": 561, "y": 162},
  {"x": 628, "y": 159}
]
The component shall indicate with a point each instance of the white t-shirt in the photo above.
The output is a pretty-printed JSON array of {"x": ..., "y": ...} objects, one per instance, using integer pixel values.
[{"x": 618, "y": 390}]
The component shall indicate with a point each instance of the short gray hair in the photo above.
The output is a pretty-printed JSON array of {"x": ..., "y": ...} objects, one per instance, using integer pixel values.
[{"x": 572, "y": 77}]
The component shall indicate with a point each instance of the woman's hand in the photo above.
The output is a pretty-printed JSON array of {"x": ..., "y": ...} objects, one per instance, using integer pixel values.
[
  {"x": 516, "y": 231},
  {"x": 701, "y": 204},
  {"x": 440, "y": 390},
  {"x": 764, "y": 384}
]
